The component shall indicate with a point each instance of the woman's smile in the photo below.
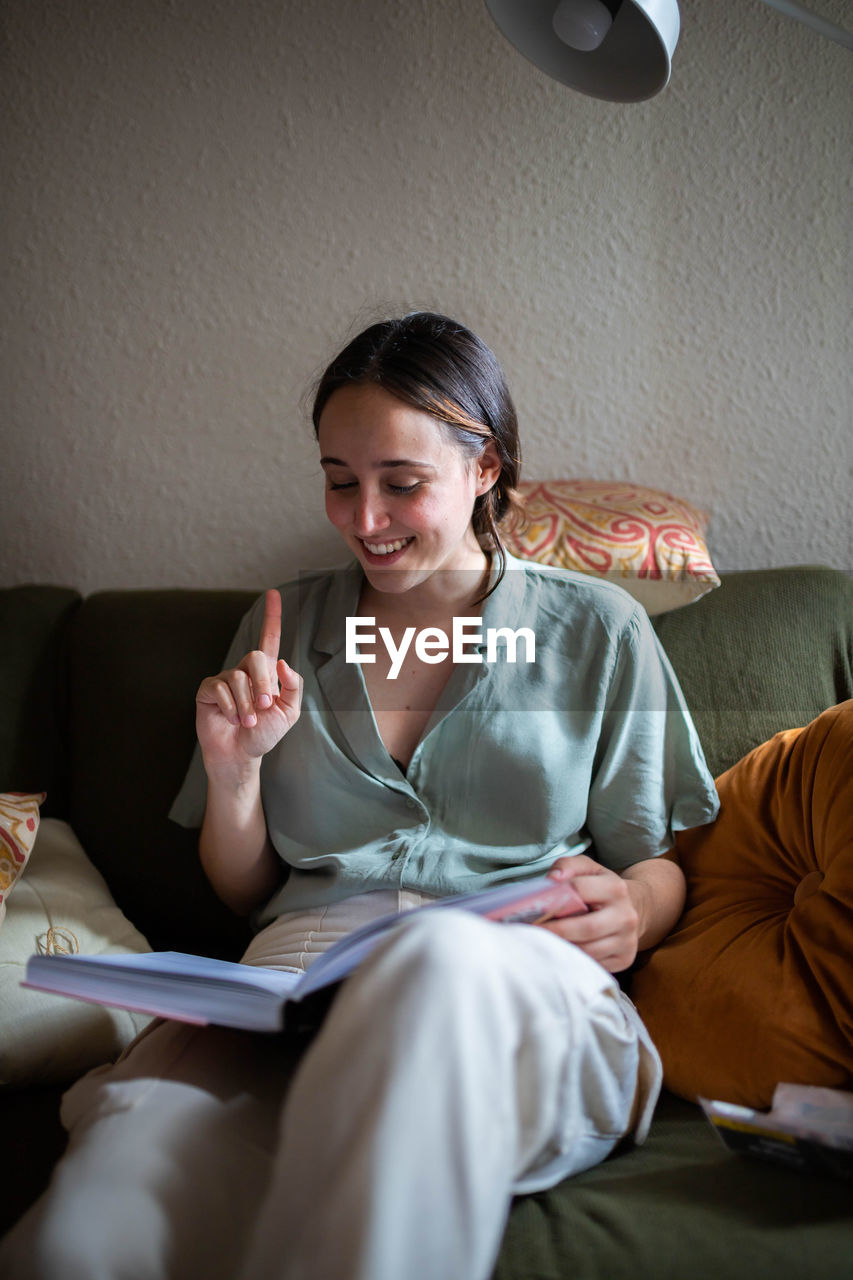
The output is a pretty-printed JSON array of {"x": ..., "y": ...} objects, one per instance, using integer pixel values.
[{"x": 387, "y": 552}]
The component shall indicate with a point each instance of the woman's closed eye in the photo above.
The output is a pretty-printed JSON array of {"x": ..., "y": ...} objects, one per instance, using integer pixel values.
[{"x": 394, "y": 488}]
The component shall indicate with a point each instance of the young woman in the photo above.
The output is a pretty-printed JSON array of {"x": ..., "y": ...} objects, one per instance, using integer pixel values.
[{"x": 464, "y": 1061}]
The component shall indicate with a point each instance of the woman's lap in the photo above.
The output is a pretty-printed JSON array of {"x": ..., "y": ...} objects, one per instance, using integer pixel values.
[{"x": 183, "y": 1152}]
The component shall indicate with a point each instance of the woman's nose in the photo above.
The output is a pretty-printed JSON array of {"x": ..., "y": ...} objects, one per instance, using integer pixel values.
[{"x": 370, "y": 515}]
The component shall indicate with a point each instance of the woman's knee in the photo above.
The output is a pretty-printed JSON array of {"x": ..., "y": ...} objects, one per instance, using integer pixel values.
[{"x": 431, "y": 952}]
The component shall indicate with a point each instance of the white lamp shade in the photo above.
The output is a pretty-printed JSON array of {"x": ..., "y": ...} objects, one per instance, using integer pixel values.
[{"x": 631, "y": 63}]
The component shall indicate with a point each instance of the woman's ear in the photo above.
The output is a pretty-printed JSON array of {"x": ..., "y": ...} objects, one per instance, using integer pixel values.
[{"x": 488, "y": 468}]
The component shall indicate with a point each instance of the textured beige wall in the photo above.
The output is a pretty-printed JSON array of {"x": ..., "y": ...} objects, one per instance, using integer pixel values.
[{"x": 203, "y": 197}]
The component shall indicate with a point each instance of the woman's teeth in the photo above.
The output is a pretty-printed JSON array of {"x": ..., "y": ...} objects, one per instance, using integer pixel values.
[{"x": 385, "y": 548}]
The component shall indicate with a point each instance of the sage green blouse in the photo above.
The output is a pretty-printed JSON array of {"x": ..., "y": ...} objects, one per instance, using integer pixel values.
[{"x": 588, "y": 749}]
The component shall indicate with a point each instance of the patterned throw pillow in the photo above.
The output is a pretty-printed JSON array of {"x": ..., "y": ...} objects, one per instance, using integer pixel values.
[
  {"x": 648, "y": 542},
  {"x": 19, "y": 822}
]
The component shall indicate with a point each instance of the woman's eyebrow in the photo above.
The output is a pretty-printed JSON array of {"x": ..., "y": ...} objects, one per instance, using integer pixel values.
[{"x": 385, "y": 462}]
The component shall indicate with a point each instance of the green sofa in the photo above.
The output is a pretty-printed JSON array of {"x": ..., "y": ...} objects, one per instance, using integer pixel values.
[{"x": 98, "y": 712}]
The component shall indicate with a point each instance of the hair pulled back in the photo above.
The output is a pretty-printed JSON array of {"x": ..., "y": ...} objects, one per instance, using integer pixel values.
[{"x": 440, "y": 367}]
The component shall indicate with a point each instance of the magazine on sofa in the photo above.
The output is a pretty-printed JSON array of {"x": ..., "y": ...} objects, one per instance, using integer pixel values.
[
  {"x": 808, "y": 1128},
  {"x": 197, "y": 989}
]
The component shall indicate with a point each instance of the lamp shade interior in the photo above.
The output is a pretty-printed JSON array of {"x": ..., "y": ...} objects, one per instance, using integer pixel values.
[{"x": 631, "y": 63}]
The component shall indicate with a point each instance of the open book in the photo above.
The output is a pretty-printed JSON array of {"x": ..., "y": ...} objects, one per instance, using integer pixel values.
[{"x": 172, "y": 984}]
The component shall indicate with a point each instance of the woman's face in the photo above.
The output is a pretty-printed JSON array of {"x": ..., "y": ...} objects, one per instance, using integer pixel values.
[{"x": 398, "y": 489}]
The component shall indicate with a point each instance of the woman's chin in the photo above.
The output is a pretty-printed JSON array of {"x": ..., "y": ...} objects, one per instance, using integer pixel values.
[{"x": 391, "y": 581}]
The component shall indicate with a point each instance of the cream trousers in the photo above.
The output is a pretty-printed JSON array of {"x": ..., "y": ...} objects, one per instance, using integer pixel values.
[{"x": 464, "y": 1062}]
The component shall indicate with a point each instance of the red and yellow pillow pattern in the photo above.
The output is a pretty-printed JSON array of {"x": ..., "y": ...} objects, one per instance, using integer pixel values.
[
  {"x": 755, "y": 985},
  {"x": 19, "y": 822},
  {"x": 647, "y": 541}
]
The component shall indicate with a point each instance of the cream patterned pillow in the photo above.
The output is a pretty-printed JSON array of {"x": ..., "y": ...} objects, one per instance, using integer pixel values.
[
  {"x": 647, "y": 541},
  {"x": 61, "y": 904},
  {"x": 19, "y": 822}
]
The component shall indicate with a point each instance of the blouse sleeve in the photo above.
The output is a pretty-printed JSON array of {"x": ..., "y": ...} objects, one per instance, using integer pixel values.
[{"x": 650, "y": 778}]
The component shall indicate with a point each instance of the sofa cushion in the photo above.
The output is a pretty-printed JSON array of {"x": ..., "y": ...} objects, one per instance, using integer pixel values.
[
  {"x": 646, "y": 541},
  {"x": 755, "y": 984},
  {"x": 60, "y": 905},
  {"x": 678, "y": 1207}
]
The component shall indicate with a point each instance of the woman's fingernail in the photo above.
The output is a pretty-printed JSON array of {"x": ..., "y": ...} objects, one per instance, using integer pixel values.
[{"x": 264, "y": 701}]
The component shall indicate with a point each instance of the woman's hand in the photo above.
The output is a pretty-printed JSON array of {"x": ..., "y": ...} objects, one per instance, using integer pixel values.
[
  {"x": 627, "y": 912},
  {"x": 609, "y": 932},
  {"x": 242, "y": 713}
]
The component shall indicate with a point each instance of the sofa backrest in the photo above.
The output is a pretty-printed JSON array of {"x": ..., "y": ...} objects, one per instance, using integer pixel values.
[
  {"x": 99, "y": 711},
  {"x": 767, "y": 650},
  {"x": 35, "y": 626},
  {"x": 136, "y": 661}
]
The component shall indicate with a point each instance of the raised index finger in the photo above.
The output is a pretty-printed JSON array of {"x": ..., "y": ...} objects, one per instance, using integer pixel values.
[{"x": 271, "y": 626}]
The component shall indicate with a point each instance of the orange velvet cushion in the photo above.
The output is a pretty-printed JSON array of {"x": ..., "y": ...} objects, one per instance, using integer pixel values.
[{"x": 755, "y": 984}]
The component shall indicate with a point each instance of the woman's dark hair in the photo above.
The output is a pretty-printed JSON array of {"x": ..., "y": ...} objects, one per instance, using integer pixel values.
[{"x": 438, "y": 366}]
